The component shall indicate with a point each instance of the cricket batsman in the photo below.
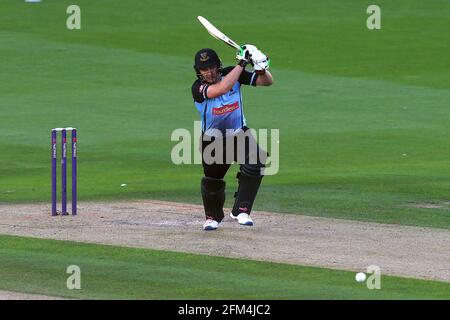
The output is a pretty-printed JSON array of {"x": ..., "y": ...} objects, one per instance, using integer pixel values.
[{"x": 218, "y": 99}]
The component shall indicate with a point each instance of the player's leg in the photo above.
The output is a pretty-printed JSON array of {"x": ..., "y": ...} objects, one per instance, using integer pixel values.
[
  {"x": 213, "y": 193},
  {"x": 249, "y": 180}
]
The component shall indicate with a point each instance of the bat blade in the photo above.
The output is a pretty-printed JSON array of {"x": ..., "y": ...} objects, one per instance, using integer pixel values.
[{"x": 216, "y": 33}]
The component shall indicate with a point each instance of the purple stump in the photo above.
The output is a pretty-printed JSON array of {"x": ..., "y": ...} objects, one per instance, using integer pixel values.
[
  {"x": 54, "y": 213},
  {"x": 74, "y": 171},
  {"x": 63, "y": 172}
]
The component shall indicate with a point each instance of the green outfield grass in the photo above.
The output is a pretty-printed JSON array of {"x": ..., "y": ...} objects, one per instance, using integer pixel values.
[
  {"x": 108, "y": 272},
  {"x": 363, "y": 115}
]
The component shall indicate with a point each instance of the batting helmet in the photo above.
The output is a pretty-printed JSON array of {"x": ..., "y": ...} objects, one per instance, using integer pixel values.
[{"x": 206, "y": 58}]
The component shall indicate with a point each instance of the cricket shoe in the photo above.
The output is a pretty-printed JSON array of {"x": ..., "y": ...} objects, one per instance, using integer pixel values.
[
  {"x": 243, "y": 218},
  {"x": 210, "y": 224}
]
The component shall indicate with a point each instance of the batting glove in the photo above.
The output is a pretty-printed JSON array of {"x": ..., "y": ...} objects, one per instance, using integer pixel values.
[
  {"x": 260, "y": 62},
  {"x": 251, "y": 48},
  {"x": 243, "y": 55}
]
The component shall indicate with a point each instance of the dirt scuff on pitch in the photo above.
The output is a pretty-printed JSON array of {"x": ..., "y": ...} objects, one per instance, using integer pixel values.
[{"x": 333, "y": 243}]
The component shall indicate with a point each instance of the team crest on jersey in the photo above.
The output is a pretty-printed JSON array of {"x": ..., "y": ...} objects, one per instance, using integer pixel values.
[
  {"x": 225, "y": 109},
  {"x": 204, "y": 56}
]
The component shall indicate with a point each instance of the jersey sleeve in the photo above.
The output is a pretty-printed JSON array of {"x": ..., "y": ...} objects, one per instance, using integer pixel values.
[
  {"x": 199, "y": 91},
  {"x": 246, "y": 77}
]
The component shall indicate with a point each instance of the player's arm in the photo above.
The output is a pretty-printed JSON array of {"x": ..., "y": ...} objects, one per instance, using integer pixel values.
[
  {"x": 261, "y": 64},
  {"x": 256, "y": 78},
  {"x": 264, "y": 79},
  {"x": 227, "y": 82}
]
